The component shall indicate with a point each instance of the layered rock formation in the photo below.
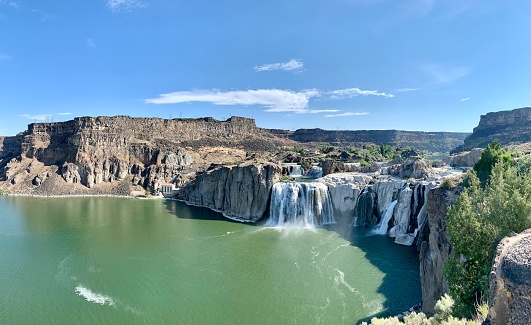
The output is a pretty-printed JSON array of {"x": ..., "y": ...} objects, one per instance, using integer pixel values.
[
  {"x": 510, "y": 281},
  {"x": 431, "y": 141},
  {"x": 240, "y": 192},
  {"x": 435, "y": 248},
  {"x": 506, "y": 127},
  {"x": 464, "y": 159},
  {"x": 91, "y": 151}
]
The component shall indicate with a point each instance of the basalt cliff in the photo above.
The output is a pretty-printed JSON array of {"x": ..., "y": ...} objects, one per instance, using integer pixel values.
[
  {"x": 114, "y": 155},
  {"x": 507, "y": 127}
]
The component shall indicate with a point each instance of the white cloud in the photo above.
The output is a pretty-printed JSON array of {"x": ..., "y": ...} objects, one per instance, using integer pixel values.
[
  {"x": 90, "y": 42},
  {"x": 351, "y": 92},
  {"x": 347, "y": 114},
  {"x": 403, "y": 90},
  {"x": 124, "y": 5},
  {"x": 64, "y": 113},
  {"x": 464, "y": 99},
  {"x": 291, "y": 65},
  {"x": 440, "y": 73},
  {"x": 4, "y": 56},
  {"x": 275, "y": 100},
  {"x": 314, "y": 111}
]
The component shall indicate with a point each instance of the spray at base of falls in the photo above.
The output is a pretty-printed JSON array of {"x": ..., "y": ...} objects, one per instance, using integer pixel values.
[{"x": 300, "y": 204}]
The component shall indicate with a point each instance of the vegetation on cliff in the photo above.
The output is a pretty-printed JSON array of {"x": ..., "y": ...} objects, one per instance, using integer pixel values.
[{"x": 481, "y": 217}]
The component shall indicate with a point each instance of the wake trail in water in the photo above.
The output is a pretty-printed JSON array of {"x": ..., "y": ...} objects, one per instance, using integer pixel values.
[
  {"x": 101, "y": 299},
  {"x": 94, "y": 297}
]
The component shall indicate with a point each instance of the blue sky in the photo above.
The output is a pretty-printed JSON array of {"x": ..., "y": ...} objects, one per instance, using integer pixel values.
[{"x": 430, "y": 65}]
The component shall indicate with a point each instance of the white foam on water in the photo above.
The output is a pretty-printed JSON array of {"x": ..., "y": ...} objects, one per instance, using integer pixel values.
[{"x": 96, "y": 298}]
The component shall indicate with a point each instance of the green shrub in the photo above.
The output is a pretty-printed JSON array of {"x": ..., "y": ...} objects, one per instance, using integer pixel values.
[
  {"x": 492, "y": 155},
  {"x": 476, "y": 223},
  {"x": 448, "y": 183},
  {"x": 327, "y": 149}
]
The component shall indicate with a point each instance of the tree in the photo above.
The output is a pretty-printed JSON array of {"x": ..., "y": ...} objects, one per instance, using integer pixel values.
[
  {"x": 479, "y": 219},
  {"x": 492, "y": 155}
]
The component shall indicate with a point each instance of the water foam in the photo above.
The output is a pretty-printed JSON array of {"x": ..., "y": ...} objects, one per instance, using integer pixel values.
[{"x": 96, "y": 298}]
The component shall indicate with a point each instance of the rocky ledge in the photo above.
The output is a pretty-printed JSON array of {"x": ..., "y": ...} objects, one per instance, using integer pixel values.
[{"x": 510, "y": 281}]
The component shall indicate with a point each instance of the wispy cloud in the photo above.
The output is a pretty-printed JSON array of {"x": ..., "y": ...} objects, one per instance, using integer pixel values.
[
  {"x": 347, "y": 114},
  {"x": 273, "y": 100},
  {"x": 90, "y": 42},
  {"x": 37, "y": 117},
  {"x": 124, "y": 5},
  {"x": 4, "y": 56},
  {"x": 64, "y": 113},
  {"x": 314, "y": 111},
  {"x": 351, "y": 92},
  {"x": 464, "y": 99},
  {"x": 404, "y": 90},
  {"x": 292, "y": 65},
  {"x": 441, "y": 73}
]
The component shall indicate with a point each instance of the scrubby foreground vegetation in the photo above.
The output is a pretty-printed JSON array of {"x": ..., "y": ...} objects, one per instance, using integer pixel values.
[
  {"x": 495, "y": 202},
  {"x": 489, "y": 209}
]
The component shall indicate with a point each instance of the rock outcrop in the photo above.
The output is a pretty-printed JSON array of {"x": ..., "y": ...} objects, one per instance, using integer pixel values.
[
  {"x": 506, "y": 127},
  {"x": 464, "y": 159},
  {"x": 510, "y": 281},
  {"x": 90, "y": 151},
  {"x": 414, "y": 167},
  {"x": 435, "y": 248},
  {"x": 239, "y": 192}
]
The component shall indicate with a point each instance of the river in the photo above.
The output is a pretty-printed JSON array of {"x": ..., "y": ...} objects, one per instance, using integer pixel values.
[{"x": 87, "y": 260}]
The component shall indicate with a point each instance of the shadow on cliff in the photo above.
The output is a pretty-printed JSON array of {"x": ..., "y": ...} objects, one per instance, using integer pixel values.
[
  {"x": 184, "y": 211},
  {"x": 400, "y": 265}
]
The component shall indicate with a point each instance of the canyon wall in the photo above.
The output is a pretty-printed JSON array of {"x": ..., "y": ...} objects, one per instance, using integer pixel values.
[
  {"x": 431, "y": 141},
  {"x": 90, "y": 151},
  {"x": 239, "y": 192},
  {"x": 506, "y": 127}
]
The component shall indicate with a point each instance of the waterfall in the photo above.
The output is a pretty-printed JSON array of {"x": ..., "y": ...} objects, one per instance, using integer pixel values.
[
  {"x": 295, "y": 171},
  {"x": 302, "y": 204},
  {"x": 381, "y": 229},
  {"x": 315, "y": 172}
]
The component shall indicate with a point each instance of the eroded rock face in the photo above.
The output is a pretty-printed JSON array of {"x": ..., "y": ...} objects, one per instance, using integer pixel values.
[
  {"x": 240, "y": 192},
  {"x": 345, "y": 189},
  {"x": 510, "y": 281},
  {"x": 435, "y": 249},
  {"x": 506, "y": 127},
  {"x": 94, "y": 151},
  {"x": 464, "y": 159},
  {"x": 413, "y": 167}
]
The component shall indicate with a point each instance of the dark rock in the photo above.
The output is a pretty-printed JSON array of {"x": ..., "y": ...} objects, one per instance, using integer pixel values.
[{"x": 510, "y": 281}]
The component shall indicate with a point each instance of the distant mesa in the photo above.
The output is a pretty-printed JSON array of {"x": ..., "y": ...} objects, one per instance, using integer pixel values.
[{"x": 507, "y": 127}]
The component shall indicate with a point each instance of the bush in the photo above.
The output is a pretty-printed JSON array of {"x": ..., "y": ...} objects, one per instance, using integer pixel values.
[
  {"x": 448, "y": 183},
  {"x": 479, "y": 219},
  {"x": 491, "y": 156},
  {"x": 326, "y": 150}
]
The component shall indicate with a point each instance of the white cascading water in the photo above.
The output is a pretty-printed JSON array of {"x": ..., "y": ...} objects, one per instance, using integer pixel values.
[
  {"x": 295, "y": 171},
  {"x": 381, "y": 229},
  {"x": 300, "y": 204},
  {"x": 315, "y": 172}
]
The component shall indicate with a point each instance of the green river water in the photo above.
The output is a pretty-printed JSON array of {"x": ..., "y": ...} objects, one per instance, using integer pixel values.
[{"x": 98, "y": 260}]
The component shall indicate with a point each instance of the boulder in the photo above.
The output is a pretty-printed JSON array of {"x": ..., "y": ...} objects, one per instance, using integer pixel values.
[{"x": 510, "y": 281}]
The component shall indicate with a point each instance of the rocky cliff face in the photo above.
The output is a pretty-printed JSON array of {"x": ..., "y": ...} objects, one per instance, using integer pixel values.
[
  {"x": 91, "y": 151},
  {"x": 507, "y": 127},
  {"x": 464, "y": 159},
  {"x": 432, "y": 141},
  {"x": 240, "y": 192},
  {"x": 510, "y": 281},
  {"x": 435, "y": 248}
]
